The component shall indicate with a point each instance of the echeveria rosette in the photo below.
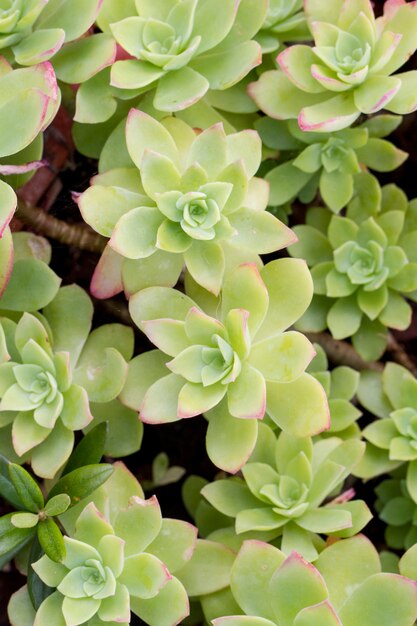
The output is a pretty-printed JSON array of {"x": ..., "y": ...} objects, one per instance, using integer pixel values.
[
  {"x": 285, "y": 21},
  {"x": 196, "y": 201},
  {"x": 326, "y": 162},
  {"x": 233, "y": 367},
  {"x": 391, "y": 440},
  {"x": 34, "y": 31},
  {"x": 113, "y": 569},
  {"x": 348, "y": 70},
  {"x": 50, "y": 371},
  {"x": 363, "y": 267},
  {"x": 398, "y": 510},
  {"x": 286, "y": 495},
  {"x": 340, "y": 385},
  {"x": 183, "y": 49},
  {"x": 269, "y": 589}
]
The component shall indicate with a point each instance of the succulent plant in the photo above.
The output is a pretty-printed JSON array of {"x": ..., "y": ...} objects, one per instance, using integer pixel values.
[
  {"x": 28, "y": 102},
  {"x": 269, "y": 589},
  {"x": 30, "y": 269},
  {"x": 194, "y": 200},
  {"x": 120, "y": 556},
  {"x": 363, "y": 264},
  {"x": 340, "y": 385},
  {"x": 285, "y": 21},
  {"x": 33, "y": 524},
  {"x": 398, "y": 510},
  {"x": 179, "y": 48},
  {"x": 232, "y": 367},
  {"x": 391, "y": 440},
  {"x": 51, "y": 367},
  {"x": 34, "y": 31},
  {"x": 285, "y": 494},
  {"x": 327, "y": 162},
  {"x": 17, "y": 18},
  {"x": 107, "y": 572},
  {"x": 349, "y": 69}
]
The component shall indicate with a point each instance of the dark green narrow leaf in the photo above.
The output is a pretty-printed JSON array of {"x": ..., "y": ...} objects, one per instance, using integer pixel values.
[
  {"x": 80, "y": 483},
  {"x": 7, "y": 489},
  {"x": 27, "y": 490},
  {"x": 37, "y": 589},
  {"x": 90, "y": 449},
  {"x": 51, "y": 539},
  {"x": 12, "y": 539}
]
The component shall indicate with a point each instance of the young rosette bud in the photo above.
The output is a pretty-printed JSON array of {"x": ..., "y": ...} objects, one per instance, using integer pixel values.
[
  {"x": 349, "y": 69},
  {"x": 363, "y": 266},
  {"x": 182, "y": 48},
  {"x": 110, "y": 570},
  {"x": 196, "y": 201},
  {"x": 391, "y": 441},
  {"x": 285, "y": 21},
  {"x": 234, "y": 367},
  {"x": 49, "y": 371},
  {"x": 285, "y": 497},
  {"x": 271, "y": 590},
  {"x": 327, "y": 162}
]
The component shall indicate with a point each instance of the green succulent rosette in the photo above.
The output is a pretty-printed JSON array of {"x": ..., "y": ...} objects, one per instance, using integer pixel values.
[
  {"x": 285, "y": 21},
  {"x": 363, "y": 266},
  {"x": 340, "y": 385},
  {"x": 283, "y": 490},
  {"x": 349, "y": 69},
  {"x": 179, "y": 49},
  {"x": 391, "y": 439},
  {"x": 398, "y": 510},
  {"x": 269, "y": 589},
  {"x": 34, "y": 31},
  {"x": 120, "y": 555},
  {"x": 233, "y": 367},
  {"x": 194, "y": 200},
  {"x": 51, "y": 369},
  {"x": 326, "y": 162}
]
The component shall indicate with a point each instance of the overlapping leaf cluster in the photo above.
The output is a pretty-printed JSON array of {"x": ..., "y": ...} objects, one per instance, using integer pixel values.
[{"x": 203, "y": 115}]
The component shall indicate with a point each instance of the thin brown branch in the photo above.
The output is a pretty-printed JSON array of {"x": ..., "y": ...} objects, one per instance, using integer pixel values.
[
  {"x": 77, "y": 235},
  {"x": 343, "y": 353},
  {"x": 400, "y": 356}
]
